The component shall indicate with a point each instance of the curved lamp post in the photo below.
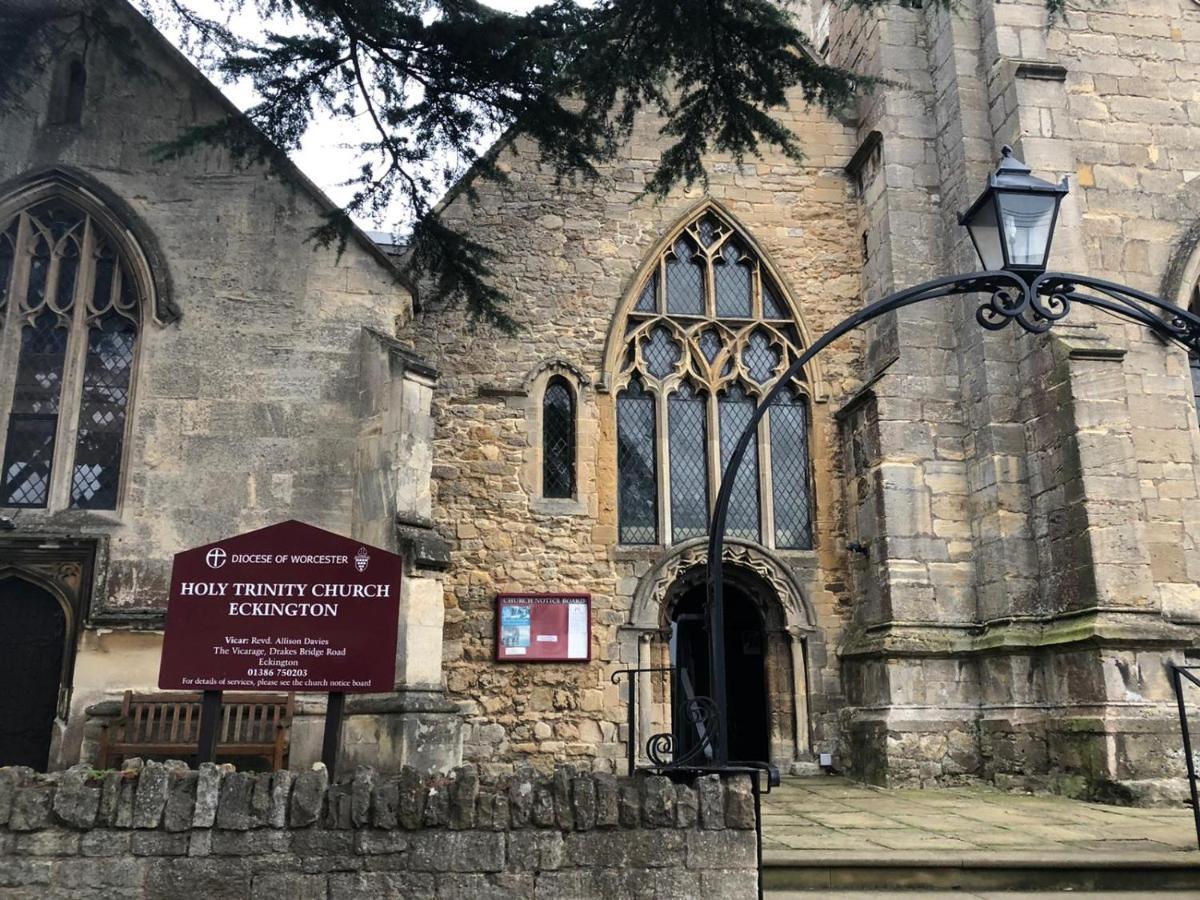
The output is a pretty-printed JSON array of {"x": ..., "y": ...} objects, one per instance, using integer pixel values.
[{"x": 1012, "y": 226}]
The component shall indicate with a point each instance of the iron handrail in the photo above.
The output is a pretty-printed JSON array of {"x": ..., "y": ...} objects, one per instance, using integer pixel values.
[{"x": 1178, "y": 673}]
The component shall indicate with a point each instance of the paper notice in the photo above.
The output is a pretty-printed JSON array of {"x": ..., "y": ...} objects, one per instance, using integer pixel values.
[{"x": 577, "y": 631}]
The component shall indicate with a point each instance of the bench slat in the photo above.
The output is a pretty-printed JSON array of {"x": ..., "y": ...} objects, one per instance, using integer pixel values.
[{"x": 250, "y": 725}]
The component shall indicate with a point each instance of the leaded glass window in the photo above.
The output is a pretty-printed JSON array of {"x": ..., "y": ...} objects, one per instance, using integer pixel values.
[
  {"x": 709, "y": 333},
  {"x": 558, "y": 439},
  {"x": 637, "y": 466},
  {"x": 688, "y": 437},
  {"x": 790, "y": 471},
  {"x": 69, "y": 317}
]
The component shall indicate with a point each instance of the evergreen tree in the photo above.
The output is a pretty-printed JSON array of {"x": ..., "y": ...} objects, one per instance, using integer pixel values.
[{"x": 435, "y": 78}]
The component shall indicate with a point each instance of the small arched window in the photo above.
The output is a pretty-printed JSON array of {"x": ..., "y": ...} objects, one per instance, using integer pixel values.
[
  {"x": 558, "y": 439},
  {"x": 69, "y": 320},
  {"x": 709, "y": 334}
]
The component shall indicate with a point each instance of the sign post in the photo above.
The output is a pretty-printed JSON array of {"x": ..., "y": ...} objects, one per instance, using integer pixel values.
[
  {"x": 333, "y": 730},
  {"x": 289, "y": 607},
  {"x": 210, "y": 727}
]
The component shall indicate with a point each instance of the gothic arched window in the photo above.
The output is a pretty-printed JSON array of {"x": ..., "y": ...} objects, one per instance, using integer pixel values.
[
  {"x": 708, "y": 336},
  {"x": 69, "y": 320},
  {"x": 558, "y": 439}
]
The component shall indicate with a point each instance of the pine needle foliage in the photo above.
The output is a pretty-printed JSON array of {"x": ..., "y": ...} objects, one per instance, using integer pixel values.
[{"x": 436, "y": 80}]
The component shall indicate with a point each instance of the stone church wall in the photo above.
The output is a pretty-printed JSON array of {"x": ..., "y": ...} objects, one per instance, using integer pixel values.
[
  {"x": 245, "y": 410},
  {"x": 167, "y": 831},
  {"x": 569, "y": 254},
  {"x": 1052, "y": 533}
]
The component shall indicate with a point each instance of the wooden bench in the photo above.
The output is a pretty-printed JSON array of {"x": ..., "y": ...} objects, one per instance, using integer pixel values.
[{"x": 252, "y": 725}]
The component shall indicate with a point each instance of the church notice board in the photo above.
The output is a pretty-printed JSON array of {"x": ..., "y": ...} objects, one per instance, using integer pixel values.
[
  {"x": 543, "y": 627},
  {"x": 290, "y": 607}
]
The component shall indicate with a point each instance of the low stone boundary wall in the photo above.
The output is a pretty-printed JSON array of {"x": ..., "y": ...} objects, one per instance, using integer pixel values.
[{"x": 167, "y": 831}]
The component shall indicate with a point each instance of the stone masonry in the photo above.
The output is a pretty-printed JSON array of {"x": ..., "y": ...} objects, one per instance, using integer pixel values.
[
  {"x": 1025, "y": 502},
  {"x": 1023, "y": 507},
  {"x": 163, "y": 830},
  {"x": 268, "y": 386}
]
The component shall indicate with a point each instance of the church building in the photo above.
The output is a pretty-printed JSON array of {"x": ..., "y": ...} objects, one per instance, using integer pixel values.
[{"x": 952, "y": 554}]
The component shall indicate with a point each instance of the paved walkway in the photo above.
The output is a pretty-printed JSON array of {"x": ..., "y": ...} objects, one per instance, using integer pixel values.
[{"x": 835, "y": 817}]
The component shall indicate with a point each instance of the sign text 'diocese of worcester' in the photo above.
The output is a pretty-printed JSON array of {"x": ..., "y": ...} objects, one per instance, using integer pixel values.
[{"x": 288, "y": 607}]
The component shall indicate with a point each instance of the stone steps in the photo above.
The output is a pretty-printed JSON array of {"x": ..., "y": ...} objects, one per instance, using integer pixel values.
[{"x": 788, "y": 873}]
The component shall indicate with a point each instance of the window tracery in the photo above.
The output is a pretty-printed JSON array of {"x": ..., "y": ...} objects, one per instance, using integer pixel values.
[
  {"x": 707, "y": 337},
  {"x": 69, "y": 321}
]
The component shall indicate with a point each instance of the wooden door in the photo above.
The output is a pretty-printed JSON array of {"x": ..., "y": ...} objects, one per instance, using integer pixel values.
[{"x": 32, "y": 630}]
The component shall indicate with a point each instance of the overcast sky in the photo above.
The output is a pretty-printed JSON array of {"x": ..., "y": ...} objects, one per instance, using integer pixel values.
[{"x": 328, "y": 155}]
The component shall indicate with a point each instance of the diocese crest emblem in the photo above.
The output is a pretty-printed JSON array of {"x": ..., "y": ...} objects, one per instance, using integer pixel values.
[{"x": 361, "y": 558}]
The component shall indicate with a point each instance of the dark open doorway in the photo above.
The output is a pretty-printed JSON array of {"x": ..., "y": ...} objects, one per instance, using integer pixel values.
[
  {"x": 745, "y": 675},
  {"x": 33, "y": 628}
]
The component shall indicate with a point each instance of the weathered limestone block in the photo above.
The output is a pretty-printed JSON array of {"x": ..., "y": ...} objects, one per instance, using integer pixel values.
[
  {"x": 411, "y": 789},
  {"x": 629, "y": 806},
  {"x": 739, "y": 802},
  {"x": 338, "y": 802},
  {"x": 376, "y": 843},
  {"x": 520, "y": 797},
  {"x": 110, "y": 792},
  {"x": 150, "y": 798},
  {"x": 729, "y": 849},
  {"x": 464, "y": 790},
  {"x": 437, "y": 804},
  {"x": 583, "y": 802},
  {"x": 712, "y": 802},
  {"x": 608, "y": 812},
  {"x": 542, "y": 813},
  {"x": 208, "y": 794},
  {"x": 658, "y": 801},
  {"x": 281, "y": 790},
  {"x": 11, "y": 777},
  {"x": 464, "y": 851},
  {"x": 385, "y": 804},
  {"x": 561, "y": 788},
  {"x": 127, "y": 798},
  {"x": 180, "y": 810},
  {"x": 77, "y": 798},
  {"x": 233, "y": 808},
  {"x": 536, "y": 850},
  {"x": 260, "y": 800},
  {"x": 501, "y": 814},
  {"x": 360, "y": 795},
  {"x": 687, "y": 806},
  {"x": 31, "y": 806},
  {"x": 308, "y": 796}
]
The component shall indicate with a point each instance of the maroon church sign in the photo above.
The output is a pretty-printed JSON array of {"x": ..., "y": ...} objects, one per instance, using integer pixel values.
[{"x": 289, "y": 607}]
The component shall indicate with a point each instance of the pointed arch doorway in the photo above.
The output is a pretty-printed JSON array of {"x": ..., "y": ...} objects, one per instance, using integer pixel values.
[{"x": 33, "y": 630}]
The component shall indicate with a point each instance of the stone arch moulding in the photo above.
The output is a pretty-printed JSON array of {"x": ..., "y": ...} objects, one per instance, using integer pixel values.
[
  {"x": 652, "y": 589},
  {"x": 614, "y": 342},
  {"x": 541, "y": 372},
  {"x": 136, "y": 242}
]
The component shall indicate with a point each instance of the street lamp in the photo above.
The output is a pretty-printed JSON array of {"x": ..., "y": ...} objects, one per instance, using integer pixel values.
[
  {"x": 1012, "y": 227},
  {"x": 1012, "y": 222}
]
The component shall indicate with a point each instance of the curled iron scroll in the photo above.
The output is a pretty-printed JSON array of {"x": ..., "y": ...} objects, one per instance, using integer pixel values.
[{"x": 701, "y": 714}]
